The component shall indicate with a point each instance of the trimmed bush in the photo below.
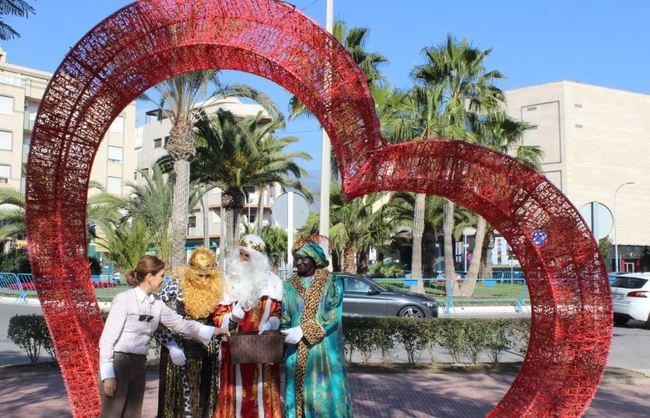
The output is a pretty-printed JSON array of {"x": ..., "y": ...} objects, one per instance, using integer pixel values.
[
  {"x": 463, "y": 339},
  {"x": 30, "y": 333}
]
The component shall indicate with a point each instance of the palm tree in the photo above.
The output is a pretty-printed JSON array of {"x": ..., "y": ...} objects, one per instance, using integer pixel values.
[
  {"x": 503, "y": 134},
  {"x": 178, "y": 102},
  {"x": 355, "y": 226},
  {"x": 455, "y": 74},
  {"x": 276, "y": 244},
  {"x": 20, "y": 8},
  {"x": 354, "y": 40},
  {"x": 151, "y": 204},
  {"x": 237, "y": 156},
  {"x": 125, "y": 242},
  {"x": 12, "y": 217}
]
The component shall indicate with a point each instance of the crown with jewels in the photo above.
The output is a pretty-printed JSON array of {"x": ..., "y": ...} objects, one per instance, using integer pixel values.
[{"x": 253, "y": 242}]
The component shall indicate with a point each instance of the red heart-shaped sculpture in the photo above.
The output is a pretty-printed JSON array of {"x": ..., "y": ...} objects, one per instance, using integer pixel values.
[{"x": 152, "y": 40}]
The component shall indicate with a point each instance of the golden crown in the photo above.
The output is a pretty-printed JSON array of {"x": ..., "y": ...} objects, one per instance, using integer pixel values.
[
  {"x": 253, "y": 242},
  {"x": 203, "y": 259}
]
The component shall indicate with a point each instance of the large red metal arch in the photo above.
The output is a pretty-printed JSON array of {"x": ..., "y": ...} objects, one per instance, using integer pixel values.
[{"x": 152, "y": 40}]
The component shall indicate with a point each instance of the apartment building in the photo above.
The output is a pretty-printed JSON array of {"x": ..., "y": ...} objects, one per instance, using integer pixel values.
[
  {"x": 151, "y": 140},
  {"x": 21, "y": 91},
  {"x": 595, "y": 140}
]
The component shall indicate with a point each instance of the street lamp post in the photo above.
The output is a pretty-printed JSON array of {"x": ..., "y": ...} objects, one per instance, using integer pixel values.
[
  {"x": 325, "y": 170},
  {"x": 618, "y": 262}
]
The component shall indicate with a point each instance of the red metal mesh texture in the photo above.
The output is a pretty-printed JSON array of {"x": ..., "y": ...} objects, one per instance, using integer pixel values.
[{"x": 152, "y": 40}]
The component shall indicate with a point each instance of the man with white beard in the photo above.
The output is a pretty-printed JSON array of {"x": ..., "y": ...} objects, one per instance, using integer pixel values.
[{"x": 252, "y": 303}]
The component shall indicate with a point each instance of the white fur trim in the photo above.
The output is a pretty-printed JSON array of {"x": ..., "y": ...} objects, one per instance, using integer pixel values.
[{"x": 273, "y": 288}]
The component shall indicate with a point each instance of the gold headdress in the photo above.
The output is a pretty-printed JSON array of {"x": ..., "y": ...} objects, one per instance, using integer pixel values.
[
  {"x": 253, "y": 242},
  {"x": 201, "y": 297}
]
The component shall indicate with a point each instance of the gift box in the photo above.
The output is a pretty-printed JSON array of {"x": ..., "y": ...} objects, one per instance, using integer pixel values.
[{"x": 249, "y": 347}]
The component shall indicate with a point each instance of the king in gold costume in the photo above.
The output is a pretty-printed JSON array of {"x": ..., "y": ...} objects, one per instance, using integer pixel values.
[
  {"x": 316, "y": 381},
  {"x": 189, "y": 373}
]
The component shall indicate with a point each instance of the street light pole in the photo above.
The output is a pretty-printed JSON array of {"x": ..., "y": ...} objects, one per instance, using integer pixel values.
[
  {"x": 618, "y": 262},
  {"x": 326, "y": 147}
]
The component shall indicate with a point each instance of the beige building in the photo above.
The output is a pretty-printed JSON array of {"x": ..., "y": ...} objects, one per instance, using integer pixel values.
[
  {"x": 594, "y": 140},
  {"x": 21, "y": 91},
  {"x": 151, "y": 139}
]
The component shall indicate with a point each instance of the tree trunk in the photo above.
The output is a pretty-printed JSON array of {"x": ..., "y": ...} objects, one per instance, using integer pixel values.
[
  {"x": 418, "y": 229},
  {"x": 474, "y": 265},
  {"x": 349, "y": 259},
  {"x": 233, "y": 201},
  {"x": 486, "y": 255},
  {"x": 182, "y": 150},
  {"x": 206, "y": 222},
  {"x": 180, "y": 211},
  {"x": 260, "y": 211},
  {"x": 448, "y": 229},
  {"x": 223, "y": 242}
]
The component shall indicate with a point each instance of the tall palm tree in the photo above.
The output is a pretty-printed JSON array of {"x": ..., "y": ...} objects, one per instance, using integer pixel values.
[
  {"x": 503, "y": 134},
  {"x": 178, "y": 101},
  {"x": 20, "y": 8},
  {"x": 237, "y": 156},
  {"x": 456, "y": 74}
]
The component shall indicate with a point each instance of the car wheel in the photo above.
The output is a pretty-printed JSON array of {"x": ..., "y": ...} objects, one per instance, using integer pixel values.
[
  {"x": 621, "y": 320},
  {"x": 411, "y": 312}
]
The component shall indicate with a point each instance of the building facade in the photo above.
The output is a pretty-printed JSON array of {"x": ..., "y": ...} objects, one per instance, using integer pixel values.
[
  {"x": 595, "y": 139},
  {"x": 21, "y": 91}
]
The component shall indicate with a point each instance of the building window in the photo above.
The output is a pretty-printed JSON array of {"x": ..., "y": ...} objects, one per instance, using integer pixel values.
[
  {"x": 191, "y": 221},
  {"x": 118, "y": 125},
  {"x": 145, "y": 172},
  {"x": 532, "y": 108},
  {"x": 135, "y": 175},
  {"x": 5, "y": 173},
  {"x": 166, "y": 140},
  {"x": 114, "y": 185},
  {"x": 157, "y": 143},
  {"x": 114, "y": 154},
  {"x": 579, "y": 126},
  {"x": 6, "y": 138},
  {"x": 578, "y": 106},
  {"x": 6, "y": 105}
]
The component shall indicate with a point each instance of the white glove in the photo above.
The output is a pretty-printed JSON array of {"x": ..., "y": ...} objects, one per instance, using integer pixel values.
[
  {"x": 293, "y": 335},
  {"x": 271, "y": 324},
  {"x": 176, "y": 354},
  {"x": 237, "y": 313}
]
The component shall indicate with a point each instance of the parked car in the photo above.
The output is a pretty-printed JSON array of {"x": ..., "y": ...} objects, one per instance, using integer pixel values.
[
  {"x": 363, "y": 297},
  {"x": 631, "y": 297}
]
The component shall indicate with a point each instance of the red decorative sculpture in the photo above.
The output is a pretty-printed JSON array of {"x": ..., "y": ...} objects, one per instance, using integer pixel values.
[{"x": 152, "y": 40}]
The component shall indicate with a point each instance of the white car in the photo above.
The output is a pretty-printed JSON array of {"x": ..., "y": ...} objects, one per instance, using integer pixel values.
[{"x": 631, "y": 297}]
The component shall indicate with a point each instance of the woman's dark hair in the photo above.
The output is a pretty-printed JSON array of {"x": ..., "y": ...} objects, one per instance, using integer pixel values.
[{"x": 147, "y": 264}]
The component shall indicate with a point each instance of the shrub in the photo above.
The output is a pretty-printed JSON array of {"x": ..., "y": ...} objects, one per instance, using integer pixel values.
[
  {"x": 30, "y": 333},
  {"x": 15, "y": 261}
]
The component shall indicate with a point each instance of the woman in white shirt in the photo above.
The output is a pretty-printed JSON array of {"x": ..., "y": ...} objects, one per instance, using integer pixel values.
[{"x": 134, "y": 316}]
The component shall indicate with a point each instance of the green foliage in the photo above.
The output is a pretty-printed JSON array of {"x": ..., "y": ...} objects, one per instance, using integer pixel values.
[
  {"x": 126, "y": 242},
  {"x": 19, "y": 8},
  {"x": 30, "y": 333},
  {"x": 605, "y": 247},
  {"x": 276, "y": 244},
  {"x": 463, "y": 339},
  {"x": 387, "y": 269},
  {"x": 15, "y": 261}
]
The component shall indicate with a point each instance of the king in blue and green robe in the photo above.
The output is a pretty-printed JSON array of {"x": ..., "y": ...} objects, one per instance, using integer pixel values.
[{"x": 324, "y": 388}]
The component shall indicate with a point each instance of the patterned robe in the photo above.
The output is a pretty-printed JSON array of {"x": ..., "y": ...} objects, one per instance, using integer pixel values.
[
  {"x": 325, "y": 391},
  {"x": 190, "y": 390},
  {"x": 249, "y": 390}
]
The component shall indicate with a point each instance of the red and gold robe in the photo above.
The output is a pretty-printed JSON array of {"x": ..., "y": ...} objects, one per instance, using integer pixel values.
[{"x": 248, "y": 390}]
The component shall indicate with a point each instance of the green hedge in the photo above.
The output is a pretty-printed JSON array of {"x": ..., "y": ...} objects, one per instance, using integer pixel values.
[
  {"x": 30, "y": 333},
  {"x": 463, "y": 339}
]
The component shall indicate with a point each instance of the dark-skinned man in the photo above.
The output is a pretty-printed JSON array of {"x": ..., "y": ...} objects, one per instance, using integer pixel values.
[{"x": 316, "y": 381}]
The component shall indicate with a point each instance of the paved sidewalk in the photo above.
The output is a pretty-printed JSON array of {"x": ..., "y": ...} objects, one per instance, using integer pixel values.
[{"x": 375, "y": 393}]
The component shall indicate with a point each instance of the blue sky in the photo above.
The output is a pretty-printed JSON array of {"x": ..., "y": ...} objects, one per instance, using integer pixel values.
[{"x": 600, "y": 42}]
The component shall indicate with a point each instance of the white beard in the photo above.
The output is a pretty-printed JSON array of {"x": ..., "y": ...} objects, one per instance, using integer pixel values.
[{"x": 246, "y": 280}]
